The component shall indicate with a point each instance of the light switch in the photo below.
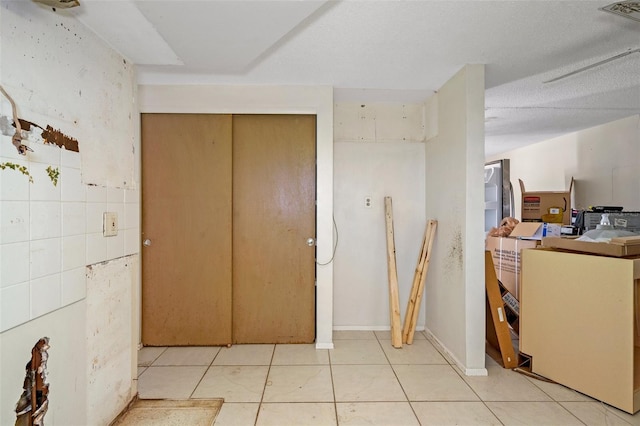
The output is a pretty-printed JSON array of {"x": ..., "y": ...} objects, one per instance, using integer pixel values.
[
  {"x": 110, "y": 224},
  {"x": 368, "y": 202}
]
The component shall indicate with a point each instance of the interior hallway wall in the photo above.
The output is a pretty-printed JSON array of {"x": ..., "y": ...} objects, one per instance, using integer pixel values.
[
  {"x": 455, "y": 291},
  {"x": 53, "y": 255},
  {"x": 604, "y": 161}
]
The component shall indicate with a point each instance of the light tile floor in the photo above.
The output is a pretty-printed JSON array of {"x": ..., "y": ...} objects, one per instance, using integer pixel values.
[{"x": 362, "y": 381}]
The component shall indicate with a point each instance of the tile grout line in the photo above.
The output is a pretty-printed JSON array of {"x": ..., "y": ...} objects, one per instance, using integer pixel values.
[
  {"x": 206, "y": 370},
  {"x": 266, "y": 380},
  {"x": 553, "y": 399},
  {"x": 472, "y": 389},
  {"x": 398, "y": 379},
  {"x": 333, "y": 388}
]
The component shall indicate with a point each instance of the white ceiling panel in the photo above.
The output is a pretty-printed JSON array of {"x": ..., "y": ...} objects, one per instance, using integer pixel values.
[
  {"x": 123, "y": 27},
  {"x": 224, "y": 36}
]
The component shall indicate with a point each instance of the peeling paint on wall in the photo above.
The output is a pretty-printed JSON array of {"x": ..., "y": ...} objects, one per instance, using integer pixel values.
[
  {"x": 35, "y": 133},
  {"x": 50, "y": 135},
  {"x": 92, "y": 98},
  {"x": 109, "y": 330},
  {"x": 34, "y": 400}
]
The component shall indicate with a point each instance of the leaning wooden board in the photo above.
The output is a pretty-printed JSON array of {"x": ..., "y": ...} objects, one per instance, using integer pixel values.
[
  {"x": 394, "y": 299},
  {"x": 618, "y": 247}
]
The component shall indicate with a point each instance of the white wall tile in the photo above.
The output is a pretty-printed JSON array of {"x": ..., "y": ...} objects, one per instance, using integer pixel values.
[
  {"x": 131, "y": 216},
  {"x": 74, "y": 285},
  {"x": 14, "y": 303},
  {"x": 96, "y": 248},
  {"x": 96, "y": 194},
  {"x": 115, "y": 195},
  {"x": 14, "y": 261},
  {"x": 45, "y": 257},
  {"x": 95, "y": 213},
  {"x": 70, "y": 159},
  {"x": 132, "y": 196},
  {"x": 42, "y": 188},
  {"x": 46, "y": 295},
  {"x": 47, "y": 154},
  {"x": 15, "y": 185},
  {"x": 131, "y": 241},
  {"x": 71, "y": 186},
  {"x": 74, "y": 219},
  {"x": 14, "y": 221},
  {"x": 45, "y": 219},
  {"x": 115, "y": 246},
  {"x": 74, "y": 252}
]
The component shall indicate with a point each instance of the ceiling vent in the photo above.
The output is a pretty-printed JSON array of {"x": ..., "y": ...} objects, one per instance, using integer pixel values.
[{"x": 628, "y": 9}]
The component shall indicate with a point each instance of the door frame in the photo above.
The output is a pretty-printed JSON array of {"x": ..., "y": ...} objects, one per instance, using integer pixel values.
[{"x": 272, "y": 100}]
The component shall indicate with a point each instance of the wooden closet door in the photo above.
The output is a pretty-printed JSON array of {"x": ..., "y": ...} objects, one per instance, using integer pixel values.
[
  {"x": 186, "y": 217},
  {"x": 273, "y": 216}
]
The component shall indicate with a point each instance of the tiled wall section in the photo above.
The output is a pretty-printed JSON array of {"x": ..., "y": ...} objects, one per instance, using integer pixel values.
[{"x": 48, "y": 234}]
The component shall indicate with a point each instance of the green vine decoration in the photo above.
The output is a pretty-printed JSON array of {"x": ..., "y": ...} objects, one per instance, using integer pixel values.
[
  {"x": 18, "y": 168},
  {"x": 54, "y": 174}
]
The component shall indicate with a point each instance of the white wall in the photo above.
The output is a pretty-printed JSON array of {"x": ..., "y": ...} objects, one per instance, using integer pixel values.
[
  {"x": 376, "y": 169},
  {"x": 61, "y": 75},
  {"x": 604, "y": 161},
  {"x": 276, "y": 100},
  {"x": 378, "y": 152},
  {"x": 454, "y": 291}
]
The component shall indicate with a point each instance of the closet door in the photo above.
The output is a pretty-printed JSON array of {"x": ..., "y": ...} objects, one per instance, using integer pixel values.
[
  {"x": 273, "y": 218},
  {"x": 186, "y": 224}
]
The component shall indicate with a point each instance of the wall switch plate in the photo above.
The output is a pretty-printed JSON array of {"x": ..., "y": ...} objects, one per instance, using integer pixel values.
[
  {"x": 110, "y": 224},
  {"x": 368, "y": 202}
]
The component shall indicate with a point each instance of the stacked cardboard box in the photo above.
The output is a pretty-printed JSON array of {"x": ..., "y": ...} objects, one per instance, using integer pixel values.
[
  {"x": 506, "y": 251},
  {"x": 543, "y": 206}
]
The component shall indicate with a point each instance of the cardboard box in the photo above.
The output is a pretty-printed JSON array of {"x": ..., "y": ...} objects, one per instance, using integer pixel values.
[
  {"x": 536, "y": 230},
  {"x": 578, "y": 322},
  {"x": 506, "y": 254},
  {"x": 618, "y": 247},
  {"x": 546, "y": 206}
]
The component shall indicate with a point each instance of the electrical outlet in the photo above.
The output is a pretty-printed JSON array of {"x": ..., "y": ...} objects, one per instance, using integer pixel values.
[
  {"x": 368, "y": 202},
  {"x": 110, "y": 224}
]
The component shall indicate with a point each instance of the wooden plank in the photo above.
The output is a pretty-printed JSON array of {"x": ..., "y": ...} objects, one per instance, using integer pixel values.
[
  {"x": 616, "y": 248},
  {"x": 498, "y": 335},
  {"x": 626, "y": 241},
  {"x": 431, "y": 232},
  {"x": 394, "y": 300},
  {"x": 415, "y": 284}
]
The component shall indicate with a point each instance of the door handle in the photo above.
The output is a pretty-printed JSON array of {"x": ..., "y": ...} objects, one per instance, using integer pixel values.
[
  {"x": 146, "y": 242},
  {"x": 311, "y": 242}
]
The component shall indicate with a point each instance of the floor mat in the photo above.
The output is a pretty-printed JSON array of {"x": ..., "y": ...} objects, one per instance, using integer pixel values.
[{"x": 166, "y": 412}]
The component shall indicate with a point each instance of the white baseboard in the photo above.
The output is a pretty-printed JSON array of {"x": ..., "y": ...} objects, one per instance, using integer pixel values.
[
  {"x": 367, "y": 328},
  {"x": 452, "y": 359}
]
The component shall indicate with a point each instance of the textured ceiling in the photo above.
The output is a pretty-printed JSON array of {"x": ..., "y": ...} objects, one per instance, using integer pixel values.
[{"x": 396, "y": 51}]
